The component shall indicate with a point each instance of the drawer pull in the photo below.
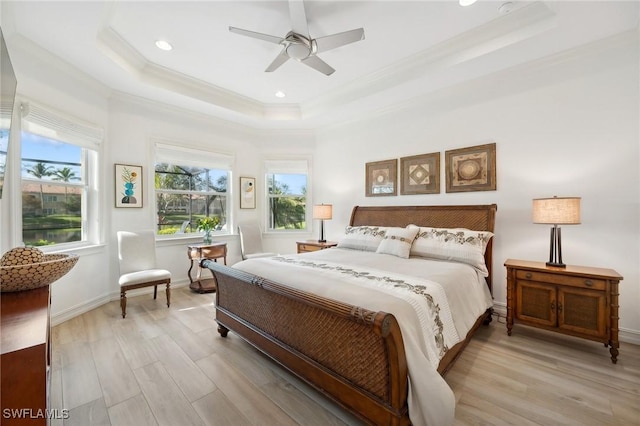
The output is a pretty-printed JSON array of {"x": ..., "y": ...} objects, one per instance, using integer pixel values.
[
  {"x": 528, "y": 275},
  {"x": 588, "y": 283}
]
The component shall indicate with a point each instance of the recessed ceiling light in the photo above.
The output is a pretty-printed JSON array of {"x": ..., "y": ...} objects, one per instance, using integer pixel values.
[
  {"x": 163, "y": 45},
  {"x": 466, "y": 2},
  {"x": 280, "y": 94},
  {"x": 505, "y": 8}
]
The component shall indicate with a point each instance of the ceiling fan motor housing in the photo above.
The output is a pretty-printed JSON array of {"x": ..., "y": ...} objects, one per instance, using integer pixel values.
[{"x": 298, "y": 47}]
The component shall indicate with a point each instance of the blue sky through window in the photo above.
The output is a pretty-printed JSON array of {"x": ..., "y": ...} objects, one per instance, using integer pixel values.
[{"x": 46, "y": 150}]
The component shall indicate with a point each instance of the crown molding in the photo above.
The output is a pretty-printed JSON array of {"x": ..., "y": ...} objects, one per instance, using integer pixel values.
[
  {"x": 591, "y": 58},
  {"x": 231, "y": 129},
  {"x": 521, "y": 24}
]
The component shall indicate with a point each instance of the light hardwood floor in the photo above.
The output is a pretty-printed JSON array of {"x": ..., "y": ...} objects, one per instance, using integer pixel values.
[{"x": 164, "y": 366}]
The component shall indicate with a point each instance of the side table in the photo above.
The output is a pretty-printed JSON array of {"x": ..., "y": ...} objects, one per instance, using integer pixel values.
[
  {"x": 580, "y": 301},
  {"x": 198, "y": 252},
  {"x": 314, "y": 245}
]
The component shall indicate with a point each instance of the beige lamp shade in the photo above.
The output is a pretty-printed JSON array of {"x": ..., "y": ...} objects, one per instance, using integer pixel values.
[
  {"x": 323, "y": 211},
  {"x": 557, "y": 210}
]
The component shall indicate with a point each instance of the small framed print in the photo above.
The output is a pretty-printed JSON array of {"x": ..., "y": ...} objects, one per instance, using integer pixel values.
[
  {"x": 247, "y": 193},
  {"x": 128, "y": 186},
  {"x": 420, "y": 174},
  {"x": 381, "y": 178},
  {"x": 471, "y": 169}
]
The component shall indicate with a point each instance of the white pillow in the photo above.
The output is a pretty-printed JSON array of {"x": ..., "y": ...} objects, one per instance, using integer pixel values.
[
  {"x": 365, "y": 238},
  {"x": 456, "y": 244},
  {"x": 398, "y": 241}
]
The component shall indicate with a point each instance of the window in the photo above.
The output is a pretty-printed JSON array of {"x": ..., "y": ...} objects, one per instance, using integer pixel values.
[
  {"x": 286, "y": 195},
  {"x": 191, "y": 185},
  {"x": 58, "y": 160}
]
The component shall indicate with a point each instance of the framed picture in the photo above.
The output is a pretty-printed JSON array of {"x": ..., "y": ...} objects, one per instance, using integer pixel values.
[
  {"x": 128, "y": 188},
  {"x": 247, "y": 193},
  {"x": 381, "y": 178},
  {"x": 420, "y": 174},
  {"x": 471, "y": 169}
]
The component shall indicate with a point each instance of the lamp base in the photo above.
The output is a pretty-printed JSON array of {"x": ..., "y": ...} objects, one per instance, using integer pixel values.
[
  {"x": 556, "y": 264},
  {"x": 322, "y": 241}
]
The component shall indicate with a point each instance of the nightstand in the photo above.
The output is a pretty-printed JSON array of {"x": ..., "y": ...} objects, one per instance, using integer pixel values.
[
  {"x": 576, "y": 300},
  {"x": 199, "y": 252},
  {"x": 314, "y": 245}
]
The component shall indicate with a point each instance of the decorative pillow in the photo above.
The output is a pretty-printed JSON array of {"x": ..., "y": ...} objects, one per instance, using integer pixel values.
[
  {"x": 398, "y": 241},
  {"x": 457, "y": 244},
  {"x": 365, "y": 238}
]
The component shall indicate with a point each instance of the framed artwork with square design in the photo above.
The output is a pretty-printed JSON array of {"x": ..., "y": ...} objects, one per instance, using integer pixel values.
[
  {"x": 128, "y": 186},
  {"x": 471, "y": 169},
  {"x": 381, "y": 177},
  {"x": 420, "y": 174},
  {"x": 247, "y": 193}
]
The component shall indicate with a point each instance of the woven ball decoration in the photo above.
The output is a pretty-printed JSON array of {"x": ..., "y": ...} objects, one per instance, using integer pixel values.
[
  {"x": 26, "y": 268},
  {"x": 21, "y": 256}
]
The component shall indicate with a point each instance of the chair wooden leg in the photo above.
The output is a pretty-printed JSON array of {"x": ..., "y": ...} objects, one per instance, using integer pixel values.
[
  {"x": 168, "y": 294},
  {"x": 155, "y": 292},
  {"x": 123, "y": 303}
]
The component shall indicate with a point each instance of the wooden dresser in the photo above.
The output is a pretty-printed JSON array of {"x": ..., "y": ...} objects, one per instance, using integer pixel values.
[
  {"x": 577, "y": 300},
  {"x": 26, "y": 356}
]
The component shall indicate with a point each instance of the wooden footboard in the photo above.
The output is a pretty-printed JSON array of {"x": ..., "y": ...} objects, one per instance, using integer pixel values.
[{"x": 354, "y": 356}]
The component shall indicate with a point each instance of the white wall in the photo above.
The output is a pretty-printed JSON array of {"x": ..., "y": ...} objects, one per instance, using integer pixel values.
[
  {"x": 564, "y": 126},
  {"x": 569, "y": 127}
]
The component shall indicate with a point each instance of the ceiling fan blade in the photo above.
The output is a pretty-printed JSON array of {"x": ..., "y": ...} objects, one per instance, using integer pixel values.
[
  {"x": 253, "y": 34},
  {"x": 340, "y": 39},
  {"x": 298, "y": 18},
  {"x": 279, "y": 60},
  {"x": 318, "y": 65}
]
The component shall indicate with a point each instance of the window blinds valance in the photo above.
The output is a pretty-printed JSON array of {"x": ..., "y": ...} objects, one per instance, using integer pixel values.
[
  {"x": 5, "y": 115},
  {"x": 287, "y": 166},
  {"x": 49, "y": 124},
  {"x": 181, "y": 156}
]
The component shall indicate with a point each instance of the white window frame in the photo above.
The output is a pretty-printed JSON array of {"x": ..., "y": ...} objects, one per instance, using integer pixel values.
[
  {"x": 174, "y": 154},
  {"x": 294, "y": 165},
  {"x": 50, "y": 123}
]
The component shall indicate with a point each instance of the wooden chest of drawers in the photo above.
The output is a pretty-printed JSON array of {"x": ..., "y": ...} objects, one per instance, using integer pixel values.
[
  {"x": 576, "y": 300},
  {"x": 26, "y": 356}
]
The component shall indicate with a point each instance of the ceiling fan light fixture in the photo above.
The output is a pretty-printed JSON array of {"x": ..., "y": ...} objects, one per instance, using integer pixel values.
[
  {"x": 465, "y": 3},
  {"x": 164, "y": 45}
]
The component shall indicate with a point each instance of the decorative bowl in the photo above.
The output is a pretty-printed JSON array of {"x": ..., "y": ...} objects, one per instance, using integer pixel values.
[{"x": 27, "y": 268}]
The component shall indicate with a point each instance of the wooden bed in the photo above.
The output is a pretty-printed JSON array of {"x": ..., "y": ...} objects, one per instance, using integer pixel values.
[{"x": 350, "y": 354}]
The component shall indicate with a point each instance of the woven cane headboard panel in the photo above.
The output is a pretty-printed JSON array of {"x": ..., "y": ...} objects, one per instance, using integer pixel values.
[{"x": 475, "y": 217}]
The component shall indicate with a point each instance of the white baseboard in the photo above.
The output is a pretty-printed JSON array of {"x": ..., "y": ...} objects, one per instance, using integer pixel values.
[
  {"x": 624, "y": 334},
  {"x": 81, "y": 308}
]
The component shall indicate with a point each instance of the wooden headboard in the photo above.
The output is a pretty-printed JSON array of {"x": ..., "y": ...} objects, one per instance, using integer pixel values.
[{"x": 475, "y": 217}]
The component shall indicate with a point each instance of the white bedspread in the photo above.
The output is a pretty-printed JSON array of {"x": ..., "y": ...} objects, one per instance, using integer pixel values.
[{"x": 435, "y": 302}]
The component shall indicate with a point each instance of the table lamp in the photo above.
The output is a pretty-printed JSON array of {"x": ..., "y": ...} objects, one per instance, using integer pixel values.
[
  {"x": 322, "y": 212},
  {"x": 556, "y": 211}
]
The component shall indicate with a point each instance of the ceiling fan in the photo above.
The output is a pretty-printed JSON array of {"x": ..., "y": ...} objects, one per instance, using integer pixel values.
[{"x": 299, "y": 45}]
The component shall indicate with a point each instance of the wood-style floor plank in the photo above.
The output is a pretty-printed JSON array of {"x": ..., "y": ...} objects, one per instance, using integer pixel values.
[
  {"x": 116, "y": 377},
  {"x": 133, "y": 412},
  {"x": 169, "y": 366},
  {"x": 167, "y": 402},
  {"x": 216, "y": 410},
  {"x": 247, "y": 398}
]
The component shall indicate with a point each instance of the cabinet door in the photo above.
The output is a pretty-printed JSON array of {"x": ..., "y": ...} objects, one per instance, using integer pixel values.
[
  {"x": 536, "y": 303},
  {"x": 582, "y": 311}
]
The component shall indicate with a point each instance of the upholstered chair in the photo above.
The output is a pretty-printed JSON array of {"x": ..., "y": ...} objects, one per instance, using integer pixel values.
[
  {"x": 137, "y": 258},
  {"x": 251, "y": 241}
]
